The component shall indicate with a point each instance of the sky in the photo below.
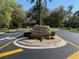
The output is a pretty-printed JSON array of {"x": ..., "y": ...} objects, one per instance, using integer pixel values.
[{"x": 52, "y": 5}]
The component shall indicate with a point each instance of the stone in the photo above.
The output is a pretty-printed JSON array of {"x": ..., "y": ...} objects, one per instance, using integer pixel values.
[{"x": 41, "y": 31}]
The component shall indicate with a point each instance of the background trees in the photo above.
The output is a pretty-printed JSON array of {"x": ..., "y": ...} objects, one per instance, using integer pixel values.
[
  {"x": 75, "y": 20},
  {"x": 34, "y": 14},
  {"x": 10, "y": 12},
  {"x": 38, "y": 10},
  {"x": 13, "y": 16},
  {"x": 55, "y": 19},
  {"x": 5, "y": 12},
  {"x": 18, "y": 17}
]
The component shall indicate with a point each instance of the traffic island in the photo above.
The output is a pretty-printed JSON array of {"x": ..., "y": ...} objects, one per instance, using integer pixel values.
[
  {"x": 40, "y": 37},
  {"x": 36, "y": 44}
]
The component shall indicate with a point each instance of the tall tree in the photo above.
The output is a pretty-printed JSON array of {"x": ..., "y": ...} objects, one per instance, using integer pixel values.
[
  {"x": 18, "y": 17},
  {"x": 69, "y": 9},
  {"x": 6, "y": 12},
  {"x": 39, "y": 4},
  {"x": 75, "y": 20},
  {"x": 55, "y": 19},
  {"x": 33, "y": 13}
]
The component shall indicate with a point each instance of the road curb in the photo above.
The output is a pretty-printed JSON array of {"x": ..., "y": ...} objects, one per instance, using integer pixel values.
[{"x": 57, "y": 45}]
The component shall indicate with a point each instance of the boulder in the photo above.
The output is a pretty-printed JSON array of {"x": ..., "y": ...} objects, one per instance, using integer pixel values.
[{"x": 41, "y": 31}]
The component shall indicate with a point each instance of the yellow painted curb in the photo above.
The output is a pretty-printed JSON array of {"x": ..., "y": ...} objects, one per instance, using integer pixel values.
[
  {"x": 74, "y": 56},
  {"x": 7, "y": 44},
  {"x": 10, "y": 52}
]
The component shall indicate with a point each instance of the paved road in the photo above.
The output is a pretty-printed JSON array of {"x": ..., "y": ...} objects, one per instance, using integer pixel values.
[
  {"x": 9, "y": 34},
  {"x": 58, "y": 53},
  {"x": 69, "y": 36}
]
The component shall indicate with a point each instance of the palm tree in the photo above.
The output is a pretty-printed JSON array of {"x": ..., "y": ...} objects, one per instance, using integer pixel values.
[{"x": 39, "y": 4}]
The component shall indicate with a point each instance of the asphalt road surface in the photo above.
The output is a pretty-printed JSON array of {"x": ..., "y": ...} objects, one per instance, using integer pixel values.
[
  {"x": 57, "y": 53},
  {"x": 9, "y": 34}
]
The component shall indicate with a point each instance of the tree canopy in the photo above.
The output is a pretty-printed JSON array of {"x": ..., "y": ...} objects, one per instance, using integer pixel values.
[
  {"x": 40, "y": 7},
  {"x": 12, "y": 15},
  {"x": 7, "y": 9}
]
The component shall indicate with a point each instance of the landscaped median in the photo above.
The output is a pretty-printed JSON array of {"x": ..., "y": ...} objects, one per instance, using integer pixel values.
[{"x": 36, "y": 44}]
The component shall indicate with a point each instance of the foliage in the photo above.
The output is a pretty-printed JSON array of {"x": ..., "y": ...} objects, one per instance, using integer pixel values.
[
  {"x": 55, "y": 19},
  {"x": 5, "y": 12},
  {"x": 33, "y": 13},
  {"x": 11, "y": 14},
  {"x": 75, "y": 20},
  {"x": 18, "y": 17},
  {"x": 38, "y": 9}
]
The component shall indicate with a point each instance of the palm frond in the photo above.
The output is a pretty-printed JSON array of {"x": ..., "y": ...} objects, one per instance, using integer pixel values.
[
  {"x": 50, "y": 0},
  {"x": 32, "y": 1}
]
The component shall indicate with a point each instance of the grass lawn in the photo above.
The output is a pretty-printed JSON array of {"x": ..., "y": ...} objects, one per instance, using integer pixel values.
[
  {"x": 7, "y": 30},
  {"x": 71, "y": 29},
  {"x": 28, "y": 30},
  {"x": 74, "y": 30},
  {"x": 25, "y": 30}
]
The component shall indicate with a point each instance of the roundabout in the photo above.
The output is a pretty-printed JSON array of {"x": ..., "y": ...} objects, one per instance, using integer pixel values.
[
  {"x": 40, "y": 37},
  {"x": 36, "y": 44}
]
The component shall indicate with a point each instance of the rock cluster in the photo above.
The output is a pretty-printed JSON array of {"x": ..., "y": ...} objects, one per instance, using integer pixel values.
[{"x": 40, "y": 31}]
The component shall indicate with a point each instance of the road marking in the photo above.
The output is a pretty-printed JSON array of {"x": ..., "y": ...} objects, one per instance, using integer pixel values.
[
  {"x": 5, "y": 45},
  {"x": 73, "y": 44},
  {"x": 10, "y": 52},
  {"x": 74, "y": 56}
]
